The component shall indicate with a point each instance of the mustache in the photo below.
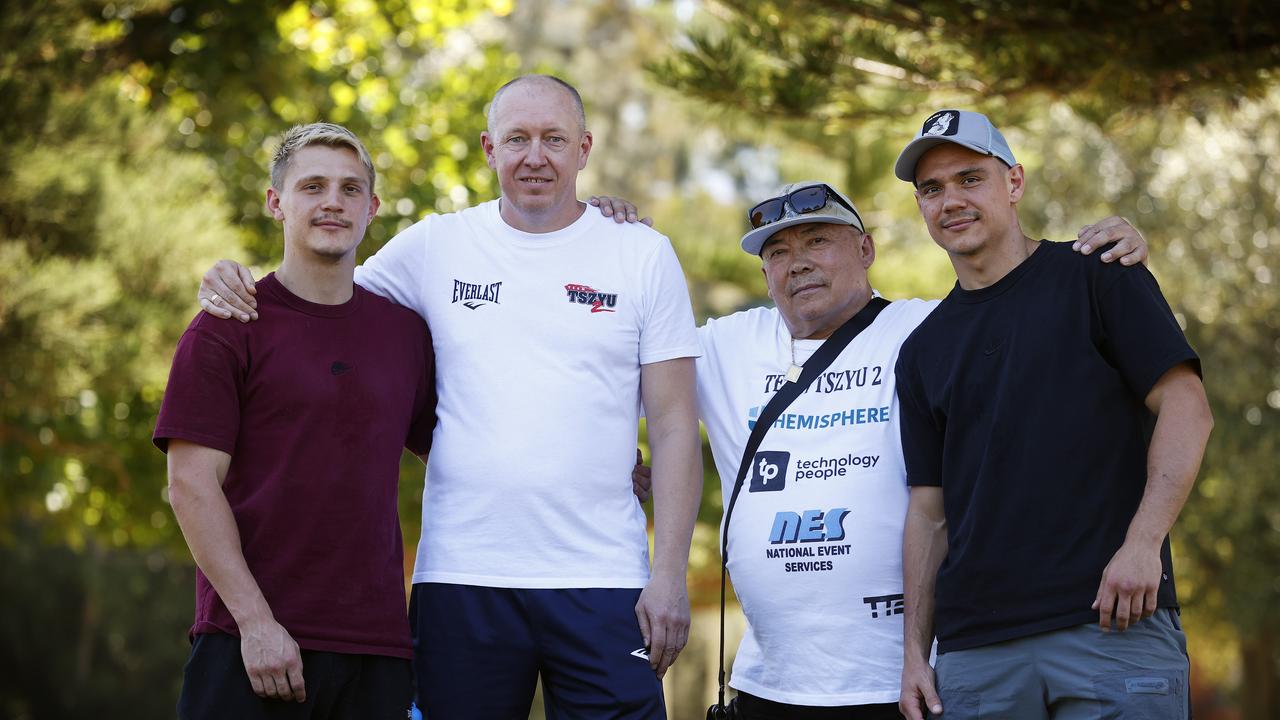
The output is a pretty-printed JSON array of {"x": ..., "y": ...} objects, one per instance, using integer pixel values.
[
  {"x": 331, "y": 219},
  {"x": 809, "y": 282},
  {"x": 957, "y": 217}
]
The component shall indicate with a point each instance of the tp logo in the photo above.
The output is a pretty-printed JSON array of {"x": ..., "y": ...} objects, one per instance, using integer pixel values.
[{"x": 769, "y": 471}]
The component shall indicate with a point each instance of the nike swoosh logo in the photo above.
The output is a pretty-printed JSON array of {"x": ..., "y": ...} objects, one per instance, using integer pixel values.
[{"x": 642, "y": 653}]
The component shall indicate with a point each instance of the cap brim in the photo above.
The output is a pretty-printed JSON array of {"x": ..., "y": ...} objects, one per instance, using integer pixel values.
[
  {"x": 754, "y": 240},
  {"x": 905, "y": 167}
]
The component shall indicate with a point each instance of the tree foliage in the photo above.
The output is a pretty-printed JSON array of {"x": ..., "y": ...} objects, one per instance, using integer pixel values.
[
  {"x": 851, "y": 60},
  {"x": 408, "y": 76}
]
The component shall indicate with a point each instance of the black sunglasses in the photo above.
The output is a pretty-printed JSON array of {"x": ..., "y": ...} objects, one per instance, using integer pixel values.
[{"x": 805, "y": 200}]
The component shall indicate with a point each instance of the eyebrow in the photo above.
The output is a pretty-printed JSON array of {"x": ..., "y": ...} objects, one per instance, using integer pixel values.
[
  {"x": 804, "y": 230},
  {"x": 975, "y": 170},
  {"x": 323, "y": 178},
  {"x": 521, "y": 130}
]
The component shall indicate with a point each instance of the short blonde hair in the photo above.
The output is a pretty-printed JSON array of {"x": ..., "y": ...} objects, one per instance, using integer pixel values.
[{"x": 321, "y": 133}]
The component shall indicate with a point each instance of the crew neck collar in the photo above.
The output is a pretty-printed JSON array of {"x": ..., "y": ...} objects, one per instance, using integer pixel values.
[
  {"x": 562, "y": 236},
  {"x": 1003, "y": 285},
  {"x": 272, "y": 284}
]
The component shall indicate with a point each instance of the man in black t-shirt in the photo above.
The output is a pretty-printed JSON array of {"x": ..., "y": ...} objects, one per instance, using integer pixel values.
[{"x": 1026, "y": 543}]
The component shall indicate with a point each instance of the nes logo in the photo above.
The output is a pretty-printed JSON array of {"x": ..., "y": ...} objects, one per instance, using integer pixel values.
[
  {"x": 768, "y": 471},
  {"x": 809, "y": 526}
]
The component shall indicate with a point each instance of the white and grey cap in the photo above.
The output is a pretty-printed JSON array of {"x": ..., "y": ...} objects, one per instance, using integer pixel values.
[
  {"x": 962, "y": 127},
  {"x": 833, "y": 212}
]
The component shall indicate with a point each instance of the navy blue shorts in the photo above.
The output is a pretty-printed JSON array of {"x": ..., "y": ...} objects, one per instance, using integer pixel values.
[
  {"x": 339, "y": 686},
  {"x": 478, "y": 652}
]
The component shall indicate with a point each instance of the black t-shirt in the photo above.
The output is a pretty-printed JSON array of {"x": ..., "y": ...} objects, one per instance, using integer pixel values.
[{"x": 1025, "y": 402}]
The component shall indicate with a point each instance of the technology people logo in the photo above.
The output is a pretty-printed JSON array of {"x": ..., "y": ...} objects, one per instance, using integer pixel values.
[{"x": 769, "y": 471}]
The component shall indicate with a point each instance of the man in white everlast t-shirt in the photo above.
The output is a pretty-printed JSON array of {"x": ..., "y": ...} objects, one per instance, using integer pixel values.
[
  {"x": 815, "y": 540},
  {"x": 550, "y": 324}
]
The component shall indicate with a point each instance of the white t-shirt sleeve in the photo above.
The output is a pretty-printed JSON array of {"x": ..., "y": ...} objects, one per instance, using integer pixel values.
[
  {"x": 396, "y": 271},
  {"x": 668, "y": 331}
]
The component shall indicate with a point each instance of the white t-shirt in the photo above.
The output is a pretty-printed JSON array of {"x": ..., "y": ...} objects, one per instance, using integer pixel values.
[
  {"x": 815, "y": 541},
  {"x": 539, "y": 339}
]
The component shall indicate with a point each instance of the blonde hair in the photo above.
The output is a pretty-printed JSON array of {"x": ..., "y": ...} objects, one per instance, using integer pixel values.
[{"x": 320, "y": 133}]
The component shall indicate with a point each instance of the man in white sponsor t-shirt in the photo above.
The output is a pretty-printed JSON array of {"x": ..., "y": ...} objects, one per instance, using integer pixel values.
[
  {"x": 815, "y": 539},
  {"x": 550, "y": 325}
]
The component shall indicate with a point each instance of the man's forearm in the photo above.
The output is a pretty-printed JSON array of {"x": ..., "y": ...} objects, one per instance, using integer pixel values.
[
  {"x": 924, "y": 545},
  {"x": 677, "y": 491},
  {"x": 677, "y": 463},
  {"x": 1183, "y": 423},
  {"x": 210, "y": 529}
]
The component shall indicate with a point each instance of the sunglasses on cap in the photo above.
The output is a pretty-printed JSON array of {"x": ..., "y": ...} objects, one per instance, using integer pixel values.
[{"x": 802, "y": 201}]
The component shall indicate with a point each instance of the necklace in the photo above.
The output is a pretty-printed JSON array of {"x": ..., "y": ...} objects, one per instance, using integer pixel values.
[{"x": 793, "y": 372}]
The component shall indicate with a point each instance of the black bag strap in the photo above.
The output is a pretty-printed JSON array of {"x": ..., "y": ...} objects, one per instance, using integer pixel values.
[{"x": 820, "y": 361}]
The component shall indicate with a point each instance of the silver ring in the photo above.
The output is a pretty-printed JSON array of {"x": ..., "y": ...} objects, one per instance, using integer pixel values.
[{"x": 214, "y": 298}]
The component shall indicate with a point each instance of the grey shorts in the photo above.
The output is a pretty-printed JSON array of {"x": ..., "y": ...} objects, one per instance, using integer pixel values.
[{"x": 1077, "y": 673}]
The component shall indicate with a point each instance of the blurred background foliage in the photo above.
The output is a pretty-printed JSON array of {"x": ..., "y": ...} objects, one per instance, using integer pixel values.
[{"x": 133, "y": 153}]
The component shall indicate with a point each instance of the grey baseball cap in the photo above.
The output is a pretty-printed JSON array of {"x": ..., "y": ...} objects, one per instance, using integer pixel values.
[
  {"x": 832, "y": 211},
  {"x": 962, "y": 127}
]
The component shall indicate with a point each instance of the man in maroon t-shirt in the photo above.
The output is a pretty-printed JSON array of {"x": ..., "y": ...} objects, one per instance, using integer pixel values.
[{"x": 284, "y": 438}]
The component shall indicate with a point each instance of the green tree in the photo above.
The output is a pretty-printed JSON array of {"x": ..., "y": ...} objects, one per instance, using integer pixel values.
[
  {"x": 411, "y": 77},
  {"x": 104, "y": 228},
  {"x": 852, "y": 60}
]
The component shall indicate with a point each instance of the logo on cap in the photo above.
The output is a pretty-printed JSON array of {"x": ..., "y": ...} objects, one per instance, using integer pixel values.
[{"x": 944, "y": 123}]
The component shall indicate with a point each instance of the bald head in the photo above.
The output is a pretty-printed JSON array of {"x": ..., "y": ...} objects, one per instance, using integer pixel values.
[{"x": 547, "y": 81}]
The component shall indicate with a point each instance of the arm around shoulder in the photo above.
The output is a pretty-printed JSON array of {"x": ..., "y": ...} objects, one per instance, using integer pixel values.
[
  {"x": 228, "y": 289},
  {"x": 397, "y": 271}
]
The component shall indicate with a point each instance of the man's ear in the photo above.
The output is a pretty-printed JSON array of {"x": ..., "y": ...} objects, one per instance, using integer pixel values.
[
  {"x": 1016, "y": 180},
  {"x": 273, "y": 204},
  {"x": 584, "y": 150},
  {"x": 486, "y": 144},
  {"x": 867, "y": 250}
]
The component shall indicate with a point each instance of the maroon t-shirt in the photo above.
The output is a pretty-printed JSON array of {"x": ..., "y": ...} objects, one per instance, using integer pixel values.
[{"x": 314, "y": 403}]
